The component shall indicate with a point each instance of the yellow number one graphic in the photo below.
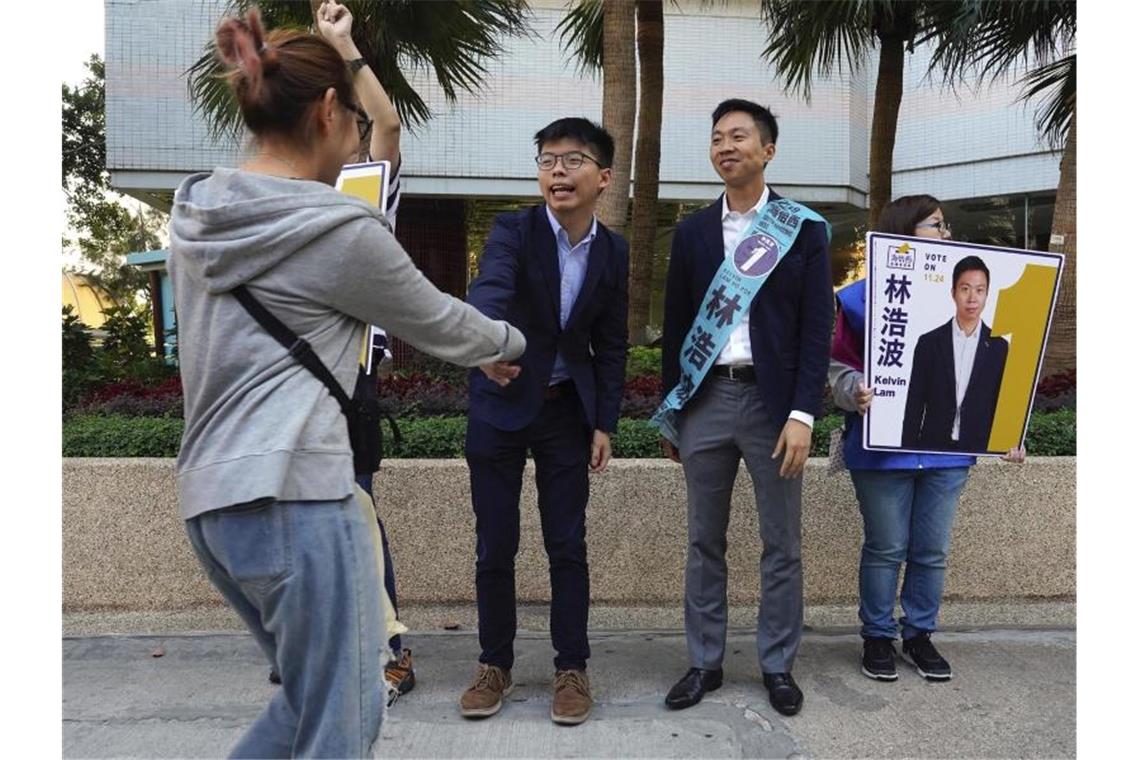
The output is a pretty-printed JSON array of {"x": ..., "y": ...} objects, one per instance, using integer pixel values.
[{"x": 1022, "y": 313}]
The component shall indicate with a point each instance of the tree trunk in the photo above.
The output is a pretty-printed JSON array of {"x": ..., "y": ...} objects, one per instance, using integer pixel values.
[
  {"x": 619, "y": 103},
  {"x": 1061, "y": 351},
  {"x": 884, "y": 124},
  {"x": 650, "y": 56}
]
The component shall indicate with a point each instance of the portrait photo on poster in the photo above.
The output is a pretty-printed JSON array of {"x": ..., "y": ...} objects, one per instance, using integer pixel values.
[{"x": 955, "y": 335}]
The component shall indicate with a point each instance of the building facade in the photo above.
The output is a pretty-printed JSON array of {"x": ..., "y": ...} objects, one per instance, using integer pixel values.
[{"x": 976, "y": 148}]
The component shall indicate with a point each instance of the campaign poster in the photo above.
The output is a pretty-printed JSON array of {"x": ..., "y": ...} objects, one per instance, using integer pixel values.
[
  {"x": 369, "y": 182},
  {"x": 955, "y": 335}
]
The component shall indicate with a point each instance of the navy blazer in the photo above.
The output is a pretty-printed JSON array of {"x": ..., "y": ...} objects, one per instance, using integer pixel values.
[
  {"x": 931, "y": 398},
  {"x": 789, "y": 323},
  {"x": 520, "y": 281}
]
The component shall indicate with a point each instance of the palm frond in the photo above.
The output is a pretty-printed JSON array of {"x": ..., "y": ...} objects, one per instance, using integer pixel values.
[
  {"x": 580, "y": 35},
  {"x": 994, "y": 36},
  {"x": 1059, "y": 80},
  {"x": 988, "y": 39},
  {"x": 816, "y": 37},
  {"x": 211, "y": 95},
  {"x": 452, "y": 39}
]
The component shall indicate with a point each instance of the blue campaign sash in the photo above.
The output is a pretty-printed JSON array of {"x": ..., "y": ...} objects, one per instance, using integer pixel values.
[{"x": 729, "y": 297}]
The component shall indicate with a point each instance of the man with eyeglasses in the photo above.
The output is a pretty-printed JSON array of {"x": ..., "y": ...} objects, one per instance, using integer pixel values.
[{"x": 558, "y": 275}]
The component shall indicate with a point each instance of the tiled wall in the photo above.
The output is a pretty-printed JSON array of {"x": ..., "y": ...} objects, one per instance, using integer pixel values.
[{"x": 982, "y": 142}]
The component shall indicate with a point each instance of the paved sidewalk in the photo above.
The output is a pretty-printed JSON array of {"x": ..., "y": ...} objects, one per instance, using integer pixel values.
[{"x": 1013, "y": 695}]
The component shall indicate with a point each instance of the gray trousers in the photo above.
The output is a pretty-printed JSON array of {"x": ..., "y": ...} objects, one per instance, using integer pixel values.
[{"x": 725, "y": 421}]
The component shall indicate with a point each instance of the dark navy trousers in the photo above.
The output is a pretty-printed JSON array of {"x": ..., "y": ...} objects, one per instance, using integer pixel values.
[{"x": 559, "y": 440}]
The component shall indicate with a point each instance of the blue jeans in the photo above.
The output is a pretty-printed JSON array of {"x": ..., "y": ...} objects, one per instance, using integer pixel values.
[
  {"x": 907, "y": 516},
  {"x": 303, "y": 576},
  {"x": 395, "y": 643}
]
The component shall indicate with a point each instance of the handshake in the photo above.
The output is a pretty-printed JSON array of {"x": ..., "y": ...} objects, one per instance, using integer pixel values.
[{"x": 500, "y": 373}]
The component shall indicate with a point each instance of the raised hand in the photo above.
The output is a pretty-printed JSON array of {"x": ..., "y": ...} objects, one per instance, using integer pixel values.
[{"x": 334, "y": 22}]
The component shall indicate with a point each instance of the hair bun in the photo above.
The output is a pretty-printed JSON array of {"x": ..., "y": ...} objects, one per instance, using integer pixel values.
[{"x": 241, "y": 44}]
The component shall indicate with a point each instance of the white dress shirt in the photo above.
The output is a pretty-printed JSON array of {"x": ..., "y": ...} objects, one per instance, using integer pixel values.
[
  {"x": 572, "y": 262},
  {"x": 965, "y": 351},
  {"x": 738, "y": 350}
]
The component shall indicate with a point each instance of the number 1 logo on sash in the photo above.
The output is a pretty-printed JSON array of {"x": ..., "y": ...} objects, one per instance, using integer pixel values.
[{"x": 736, "y": 283}]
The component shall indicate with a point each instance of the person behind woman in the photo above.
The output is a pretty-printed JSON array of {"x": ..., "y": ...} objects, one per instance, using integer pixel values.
[
  {"x": 265, "y": 472},
  {"x": 334, "y": 21},
  {"x": 907, "y": 500}
]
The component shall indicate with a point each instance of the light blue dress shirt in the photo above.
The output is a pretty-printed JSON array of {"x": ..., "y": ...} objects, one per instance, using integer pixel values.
[{"x": 572, "y": 261}]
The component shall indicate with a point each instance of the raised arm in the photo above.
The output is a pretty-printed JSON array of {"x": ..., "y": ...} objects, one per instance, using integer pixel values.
[{"x": 335, "y": 24}]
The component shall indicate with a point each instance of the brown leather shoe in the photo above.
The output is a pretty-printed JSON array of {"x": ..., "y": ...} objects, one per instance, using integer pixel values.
[
  {"x": 572, "y": 700},
  {"x": 485, "y": 696},
  {"x": 400, "y": 675}
]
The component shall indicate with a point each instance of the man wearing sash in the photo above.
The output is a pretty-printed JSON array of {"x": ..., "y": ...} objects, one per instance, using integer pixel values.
[{"x": 748, "y": 317}]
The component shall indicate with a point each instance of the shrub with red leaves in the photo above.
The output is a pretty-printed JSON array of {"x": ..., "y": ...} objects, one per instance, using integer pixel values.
[
  {"x": 641, "y": 396},
  {"x": 419, "y": 394},
  {"x": 132, "y": 398},
  {"x": 1058, "y": 391}
]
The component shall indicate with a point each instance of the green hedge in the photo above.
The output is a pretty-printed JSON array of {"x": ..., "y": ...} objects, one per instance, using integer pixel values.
[
  {"x": 1050, "y": 434},
  {"x": 90, "y": 436}
]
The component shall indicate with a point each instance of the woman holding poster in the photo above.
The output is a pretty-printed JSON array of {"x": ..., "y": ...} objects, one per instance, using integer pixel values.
[{"x": 908, "y": 500}]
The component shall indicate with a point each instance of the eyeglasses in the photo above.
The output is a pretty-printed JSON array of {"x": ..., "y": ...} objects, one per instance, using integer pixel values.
[
  {"x": 942, "y": 226},
  {"x": 571, "y": 160},
  {"x": 363, "y": 122}
]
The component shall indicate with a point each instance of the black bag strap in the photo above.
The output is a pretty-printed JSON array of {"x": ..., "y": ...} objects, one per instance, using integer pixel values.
[{"x": 297, "y": 346}]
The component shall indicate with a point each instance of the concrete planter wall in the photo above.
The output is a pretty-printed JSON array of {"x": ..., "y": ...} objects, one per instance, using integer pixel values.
[{"x": 125, "y": 548}]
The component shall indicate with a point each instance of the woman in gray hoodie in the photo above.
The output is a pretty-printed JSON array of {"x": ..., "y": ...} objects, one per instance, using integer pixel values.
[{"x": 265, "y": 473}]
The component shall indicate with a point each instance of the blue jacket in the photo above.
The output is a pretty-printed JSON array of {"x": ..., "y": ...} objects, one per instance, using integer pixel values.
[
  {"x": 789, "y": 323},
  {"x": 853, "y": 305},
  {"x": 520, "y": 281}
]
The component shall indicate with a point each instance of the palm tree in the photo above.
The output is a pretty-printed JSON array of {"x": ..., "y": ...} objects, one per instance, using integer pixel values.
[
  {"x": 452, "y": 38},
  {"x": 582, "y": 33},
  {"x": 647, "y": 163},
  {"x": 619, "y": 105},
  {"x": 991, "y": 39},
  {"x": 823, "y": 36}
]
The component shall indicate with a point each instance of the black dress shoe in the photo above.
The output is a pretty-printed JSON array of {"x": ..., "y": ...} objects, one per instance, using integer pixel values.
[
  {"x": 783, "y": 693},
  {"x": 692, "y": 687}
]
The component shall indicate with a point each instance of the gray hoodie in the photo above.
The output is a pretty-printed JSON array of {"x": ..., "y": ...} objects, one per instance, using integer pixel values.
[{"x": 258, "y": 424}]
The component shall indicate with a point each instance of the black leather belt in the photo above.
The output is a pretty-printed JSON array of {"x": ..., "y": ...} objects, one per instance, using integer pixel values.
[
  {"x": 560, "y": 390},
  {"x": 736, "y": 372}
]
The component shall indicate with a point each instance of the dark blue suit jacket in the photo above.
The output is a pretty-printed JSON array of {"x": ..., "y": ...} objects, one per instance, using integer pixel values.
[
  {"x": 520, "y": 281},
  {"x": 790, "y": 321},
  {"x": 931, "y": 397}
]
